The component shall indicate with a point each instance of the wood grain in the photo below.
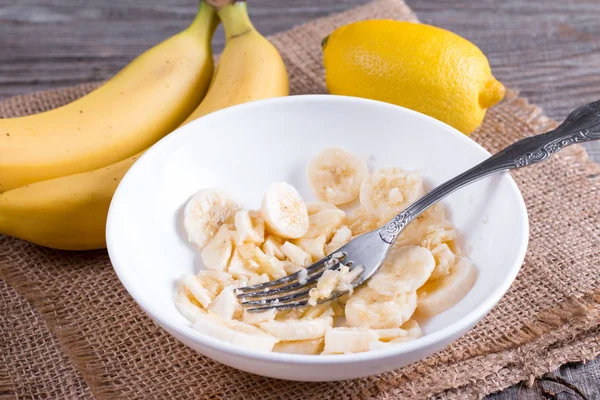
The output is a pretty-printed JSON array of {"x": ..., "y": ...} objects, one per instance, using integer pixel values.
[{"x": 550, "y": 50}]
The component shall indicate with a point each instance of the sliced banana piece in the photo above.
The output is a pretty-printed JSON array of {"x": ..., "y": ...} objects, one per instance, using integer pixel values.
[
  {"x": 315, "y": 246},
  {"x": 339, "y": 280},
  {"x": 340, "y": 238},
  {"x": 348, "y": 340},
  {"x": 391, "y": 337},
  {"x": 197, "y": 291},
  {"x": 240, "y": 267},
  {"x": 389, "y": 190},
  {"x": 217, "y": 252},
  {"x": 335, "y": 175},
  {"x": 320, "y": 310},
  {"x": 186, "y": 307},
  {"x": 255, "y": 318},
  {"x": 204, "y": 214},
  {"x": 409, "y": 330},
  {"x": 205, "y": 286},
  {"x": 284, "y": 211},
  {"x": 272, "y": 247},
  {"x": 405, "y": 270},
  {"x": 269, "y": 265},
  {"x": 316, "y": 206},
  {"x": 369, "y": 308},
  {"x": 291, "y": 267},
  {"x": 235, "y": 332},
  {"x": 325, "y": 222},
  {"x": 444, "y": 260},
  {"x": 255, "y": 280},
  {"x": 226, "y": 304},
  {"x": 362, "y": 221},
  {"x": 442, "y": 294},
  {"x": 250, "y": 226},
  {"x": 296, "y": 254},
  {"x": 428, "y": 230},
  {"x": 310, "y": 346},
  {"x": 298, "y": 329}
]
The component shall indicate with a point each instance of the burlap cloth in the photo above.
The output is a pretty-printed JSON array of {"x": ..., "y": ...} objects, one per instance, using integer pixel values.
[{"x": 69, "y": 329}]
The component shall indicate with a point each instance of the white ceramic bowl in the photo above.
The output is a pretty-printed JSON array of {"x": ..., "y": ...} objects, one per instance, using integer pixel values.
[{"x": 245, "y": 148}]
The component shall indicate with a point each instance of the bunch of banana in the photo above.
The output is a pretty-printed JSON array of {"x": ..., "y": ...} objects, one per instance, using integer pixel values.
[{"x": 59, "y": 169}]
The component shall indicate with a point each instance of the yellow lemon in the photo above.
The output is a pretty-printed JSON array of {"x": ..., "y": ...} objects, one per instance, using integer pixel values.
[{"x": 418, "y": 66}]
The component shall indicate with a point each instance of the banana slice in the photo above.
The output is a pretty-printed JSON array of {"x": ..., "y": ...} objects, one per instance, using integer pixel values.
[
  {"x": 389, "y": 190},
  {"x": 335, "y": 175},
  {"x": 339, "y": 280},
  {"x": 325, "y": 222},
  {"x": 409, "y": 330},
  {"x": 310, "y": 346},
  {"x": 291, "y": 267},
  {"x": 296, "y": 254},
  {"x": 217, "y": 252},
  {"x": 290, "y": 314},
  {"x": 255, "y": 280},
  {"x": 348, "y": 340},
  {"x": 369, "y": 308},
  {"x": 405, "y": 270},
  {"x": 204, "y": 214},
  {"x": 320, "y": 310},
  {"x": 313, "y": 246},
  {"x": 272, "y": 247},
  {"x": 428, "y": 230},
  {"x": 226, "y": 304},
  {"x": 444, "y": 260},
  {"x": 255, "y": 318},
  {"x": 250, "y": 226},
  {"x": 240, "y": 267},
  {"x": 438, "y": 235},
  {"x": 325, "y": 286},
  {"x": 246, "y": 251},
  {"x": 234, "y": 332},
  {"x": 298, "y": 329},
  {"x": 362, "y": 221},
  {"x": 195, "y": 288},
  {"x": 390, "y": 337},
  {"x": 442, "y": 294},
  {"x": 340, "y": 238},
  {"x": 316, "y": 206},
  {"x": 284, "y": 211},
  {"x": 269, "y": 265},
  {"x": 186, "y": 307}
]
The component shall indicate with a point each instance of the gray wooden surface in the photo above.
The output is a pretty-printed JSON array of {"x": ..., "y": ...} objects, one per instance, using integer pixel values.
[{"x": 549, "y": 50}]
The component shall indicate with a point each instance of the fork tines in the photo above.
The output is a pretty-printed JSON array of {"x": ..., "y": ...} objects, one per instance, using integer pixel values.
[{"x": 290, "y": 291}]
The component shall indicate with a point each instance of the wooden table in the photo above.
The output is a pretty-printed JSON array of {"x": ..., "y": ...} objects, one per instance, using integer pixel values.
[{"x": 550, "y": 50}]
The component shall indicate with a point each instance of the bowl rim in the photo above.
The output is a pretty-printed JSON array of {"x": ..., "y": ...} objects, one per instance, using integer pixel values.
[{"x": 458, "y": 327}]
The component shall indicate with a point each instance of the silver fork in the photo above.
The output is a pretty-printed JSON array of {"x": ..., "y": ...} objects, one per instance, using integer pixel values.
[{"x": 368, "y": 251}]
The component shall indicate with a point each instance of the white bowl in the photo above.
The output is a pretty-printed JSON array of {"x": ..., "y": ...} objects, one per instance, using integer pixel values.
[{"x": 245, "y": 148}]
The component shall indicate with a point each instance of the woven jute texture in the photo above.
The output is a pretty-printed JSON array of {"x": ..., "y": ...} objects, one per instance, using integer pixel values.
[{"x": 69, "y": 329}]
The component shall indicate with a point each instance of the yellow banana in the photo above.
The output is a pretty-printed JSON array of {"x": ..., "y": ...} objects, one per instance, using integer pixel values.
[
  {"x": 70, "y": 212},
  {"x": 67, "y": 213},
  {"x": 145, "y": 101},
  {"x": 250, "y": 67}
]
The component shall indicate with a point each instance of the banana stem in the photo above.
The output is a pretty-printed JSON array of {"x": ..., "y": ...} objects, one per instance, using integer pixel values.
[
  {"x": 235, "y": 19},
  {"x": 206, "y": 20}
]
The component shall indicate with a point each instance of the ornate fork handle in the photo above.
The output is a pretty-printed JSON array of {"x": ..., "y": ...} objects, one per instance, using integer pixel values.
[{"x": 581, "y": 125}]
